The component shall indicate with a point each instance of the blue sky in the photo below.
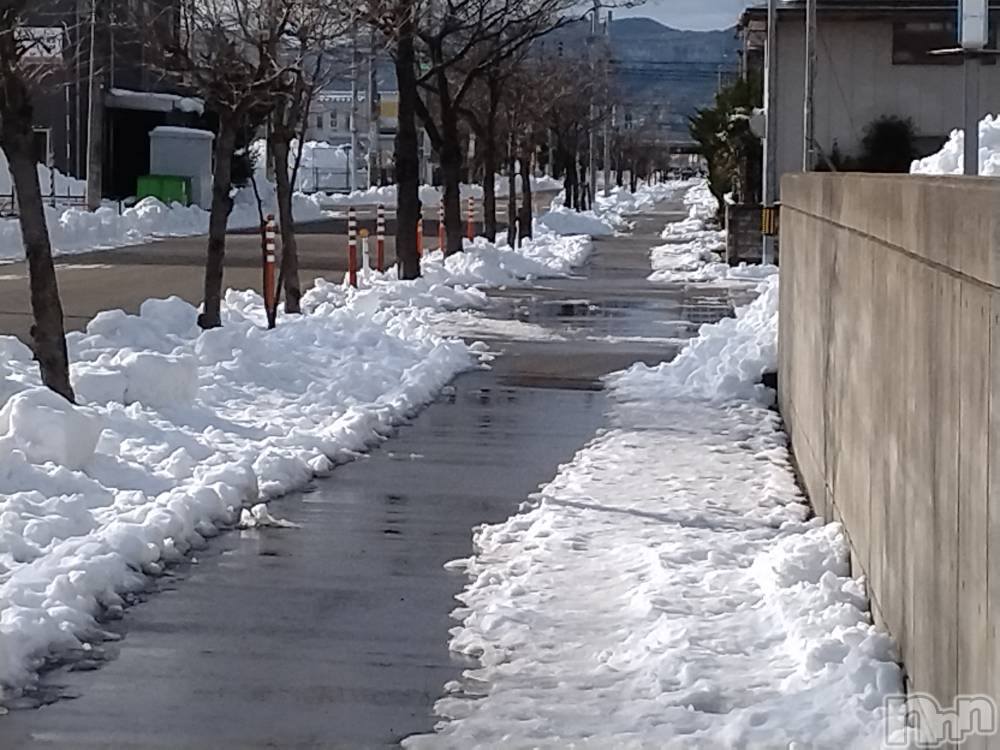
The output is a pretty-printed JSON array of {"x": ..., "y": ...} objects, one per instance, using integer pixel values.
[{"x": 689, "y": 14}]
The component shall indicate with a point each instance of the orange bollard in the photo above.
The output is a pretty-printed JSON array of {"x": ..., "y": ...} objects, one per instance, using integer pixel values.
[
  {"x": 270, "y": 232},
  {"x": 471, "y": 229},
  {"x": 441, "y": 225},
  {"x": 380, "y": 238},
  {"x": 352, "y": 248}
]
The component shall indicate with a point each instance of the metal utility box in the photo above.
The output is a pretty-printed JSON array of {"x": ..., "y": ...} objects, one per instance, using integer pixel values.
[
  {"x": 167, "y": 188},
  {"x": 184, "y": 152}
]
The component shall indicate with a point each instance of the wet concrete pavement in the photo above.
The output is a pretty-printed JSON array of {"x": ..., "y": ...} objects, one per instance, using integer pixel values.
[{"x": 334, "y": 634}]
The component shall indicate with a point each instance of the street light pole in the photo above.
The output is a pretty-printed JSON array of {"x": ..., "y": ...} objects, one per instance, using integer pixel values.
[
  {"x": 808, "y": 112},
  {"x": 770, "y": 186},
  {"x": 970, "y": 70},
  {"x": 607, "y": 144},
  {"x": 374, "y": 112},
  {"x": 352, "y": 162}
]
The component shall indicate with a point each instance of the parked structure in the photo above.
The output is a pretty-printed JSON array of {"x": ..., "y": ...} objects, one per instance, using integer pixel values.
[
  {"x": 873, "y": 59},
  {"x": 135, "y": 96}
]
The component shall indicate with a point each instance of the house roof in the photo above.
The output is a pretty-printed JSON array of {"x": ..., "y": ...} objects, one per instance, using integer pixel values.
[{"x": 858, "y": 8}]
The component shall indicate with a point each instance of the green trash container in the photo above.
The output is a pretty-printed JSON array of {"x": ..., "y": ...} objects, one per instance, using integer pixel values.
[{"x": 168, "y": 188}]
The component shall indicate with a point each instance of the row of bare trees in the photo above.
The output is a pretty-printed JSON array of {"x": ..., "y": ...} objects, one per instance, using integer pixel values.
[{"x": 465, "y": 70}]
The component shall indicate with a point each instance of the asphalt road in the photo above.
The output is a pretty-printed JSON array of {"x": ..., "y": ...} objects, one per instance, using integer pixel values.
[
  {"x": 334, "y": 634},
  {"x": 124, "y": 277}
]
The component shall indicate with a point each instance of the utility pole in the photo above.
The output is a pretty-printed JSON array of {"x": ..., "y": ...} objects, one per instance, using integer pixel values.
[
  {"x": 591, "y": 137},
  {"x": 808, "y": 111},
  {"x": 374, "y": 145},
  {"x": 607, "y": 125},
  {"x": 970, "y": 72},
  {"x": 352, "y": 169},
  {"x": 95, "y": 121},
  {"x": 770, "y": 186}
]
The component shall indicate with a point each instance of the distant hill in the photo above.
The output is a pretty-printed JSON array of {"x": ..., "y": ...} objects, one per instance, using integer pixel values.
[{"x": 656, "y": 64}]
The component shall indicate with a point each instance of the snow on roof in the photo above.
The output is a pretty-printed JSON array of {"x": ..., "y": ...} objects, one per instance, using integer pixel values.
[
  {"x": 174, "y": 131},
  {"x": 153, "y": 101}
]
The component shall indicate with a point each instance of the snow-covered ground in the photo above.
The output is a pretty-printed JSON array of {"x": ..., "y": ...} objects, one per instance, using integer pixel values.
[
  {"x": 694, "y": 249},
  {"x": 180, "y": 432},
  {"x": 610, "y": 213},
  {"x": 670, "y": 587},
  {"x": 76, "y": 230},
  {"x": 949, "y": 160}
]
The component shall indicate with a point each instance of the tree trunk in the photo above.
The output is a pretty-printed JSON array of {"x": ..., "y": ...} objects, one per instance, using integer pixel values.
[
  {"x": 634, "y": 179},
  {"x": 524, "y": 217},
  {"x": 222, "y": 205},
  {"x": 280, "y": 146},
  {"x": 512, "y": 232},
  {"x": 450, "y": 152},
  {"x": 407, "y": 156},
  {"x": 48, "y": 335},
  {"x": 570, "y": 184},
  {"x": 489, "y": 183}
]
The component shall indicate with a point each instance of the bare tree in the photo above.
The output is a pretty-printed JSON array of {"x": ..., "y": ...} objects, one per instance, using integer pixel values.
[
  {"x": 396, "y": 21},
  {"x": 222, "y": 50},
  {"x": 313, "y": 26},
  {"x": 462, "y": 41},
  {"x": 21, "y": 72}
]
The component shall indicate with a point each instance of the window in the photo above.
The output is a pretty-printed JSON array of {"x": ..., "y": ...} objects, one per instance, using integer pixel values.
[
  {"x": 319, "y": 121},
  {"x": 914, "y": 41},
  {"x": 40, "y": 146},
  {"x": 333, "y": 120}
]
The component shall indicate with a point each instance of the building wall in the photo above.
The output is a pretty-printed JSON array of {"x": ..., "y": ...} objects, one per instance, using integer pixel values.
[
  {"x": 856, "y": 83},
  {"x": 889, "y": 383}
]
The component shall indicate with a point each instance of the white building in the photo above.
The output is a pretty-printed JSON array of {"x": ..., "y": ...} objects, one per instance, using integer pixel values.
[
  {"x": 330, "y": 121},
  {"x": 873, "y": 59}
]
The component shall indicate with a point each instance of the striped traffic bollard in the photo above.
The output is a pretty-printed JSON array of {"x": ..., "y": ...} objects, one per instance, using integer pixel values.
[
  {"x": 441, "y": 224},
  {"x": 380, "y": 238},
  {"x": 352, "y": 247},
  {"x": 471, "y": 229},
  {"x": 270, "y": 233}
]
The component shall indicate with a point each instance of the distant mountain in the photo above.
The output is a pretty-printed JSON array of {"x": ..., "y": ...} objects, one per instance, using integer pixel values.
[{"x": 659, "y": 66}]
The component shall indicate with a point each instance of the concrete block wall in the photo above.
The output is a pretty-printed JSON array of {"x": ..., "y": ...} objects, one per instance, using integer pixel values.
[{"x": 889, "y": 382}]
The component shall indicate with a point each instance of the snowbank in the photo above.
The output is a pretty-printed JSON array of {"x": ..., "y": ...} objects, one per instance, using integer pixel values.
[
  {"x": 724, "y": 363},
  {"x": 693, "y": 252},
  {"x": 949, "y": 160},
  {"x": 567, "y": 221},
  {"x": 76, "y": 230},
  {"x": 178, "y": 430},
  {"x": 181, "y": 432}
]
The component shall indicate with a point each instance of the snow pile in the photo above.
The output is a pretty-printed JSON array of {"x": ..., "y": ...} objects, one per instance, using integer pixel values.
[
  {"x": 950, "y": 159},
  {"x": 621, "y": 201},
  {"x": 725, "y": 362},
  {"x": 179, "y": 430},
  {"x": 65, "y": 185},
  {"x": 564, "y": 220},
  {"x": 668, "y": 588},
  {"x": 76, "y": 230},
  {"x": 487, "y": 264},
  {"x": 693, "y": 252}
]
